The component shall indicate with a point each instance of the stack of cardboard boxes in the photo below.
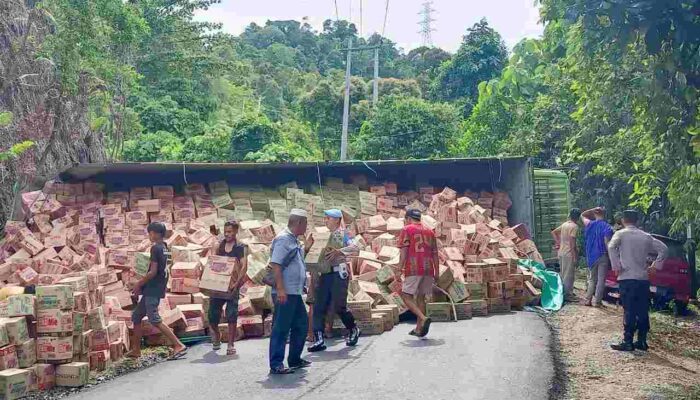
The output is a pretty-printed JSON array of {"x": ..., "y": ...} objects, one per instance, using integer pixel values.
[{"x": 82, "y": 246}]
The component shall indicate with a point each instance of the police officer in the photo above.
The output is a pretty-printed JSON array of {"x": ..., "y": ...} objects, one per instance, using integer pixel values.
[{"x": 332, "y": 285}]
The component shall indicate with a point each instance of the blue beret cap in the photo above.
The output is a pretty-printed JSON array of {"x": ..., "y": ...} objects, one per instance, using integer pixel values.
[{"x": 334, "y": 213}]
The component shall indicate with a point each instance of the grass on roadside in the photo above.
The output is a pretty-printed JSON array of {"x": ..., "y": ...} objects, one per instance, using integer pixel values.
[
  {"x": 674, "y": 335},
  {"x": 672, "y": 392}
]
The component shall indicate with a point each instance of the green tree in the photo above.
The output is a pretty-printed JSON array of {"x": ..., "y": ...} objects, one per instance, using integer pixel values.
[
  {"x": 251, "y": 134},
  {"x": 405, "y": 127},
  {"x": 151, "y": 147},
  {"x": 481, "y": 57}
]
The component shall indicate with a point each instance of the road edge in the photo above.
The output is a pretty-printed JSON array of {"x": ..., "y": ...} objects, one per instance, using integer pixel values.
[{"x": 559, "y": 386}]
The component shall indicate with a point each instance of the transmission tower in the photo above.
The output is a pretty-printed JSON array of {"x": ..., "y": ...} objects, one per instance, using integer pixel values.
[{"x": 426, "y": 23}]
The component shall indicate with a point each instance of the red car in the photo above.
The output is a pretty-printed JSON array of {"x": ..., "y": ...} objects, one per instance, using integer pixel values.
[{"x": 671, "y": 282}]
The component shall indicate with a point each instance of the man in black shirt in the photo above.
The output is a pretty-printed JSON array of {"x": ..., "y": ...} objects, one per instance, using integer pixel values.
[{"x": 152, "y": 288}]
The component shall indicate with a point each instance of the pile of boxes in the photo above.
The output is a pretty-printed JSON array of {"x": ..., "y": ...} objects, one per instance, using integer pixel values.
[{"x": 81, "y": 246}]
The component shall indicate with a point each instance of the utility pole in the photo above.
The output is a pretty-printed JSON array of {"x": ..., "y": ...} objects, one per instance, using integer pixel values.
[
  {"x": 346, "y": 106},
  {"x": 375, "y": 83}
]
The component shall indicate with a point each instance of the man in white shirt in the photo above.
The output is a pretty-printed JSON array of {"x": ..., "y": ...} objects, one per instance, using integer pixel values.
[{"x": 629, "y": 249}]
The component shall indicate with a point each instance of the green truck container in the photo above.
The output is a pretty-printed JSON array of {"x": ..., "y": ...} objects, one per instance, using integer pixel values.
[{"x": 552, "y": 202}]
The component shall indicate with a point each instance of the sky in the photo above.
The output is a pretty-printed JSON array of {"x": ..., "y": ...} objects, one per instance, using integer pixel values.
[{"x": 513, "y": 19}]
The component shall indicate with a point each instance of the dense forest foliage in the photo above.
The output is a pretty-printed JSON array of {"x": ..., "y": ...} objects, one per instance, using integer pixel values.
[{"x": 609, "y": 93}]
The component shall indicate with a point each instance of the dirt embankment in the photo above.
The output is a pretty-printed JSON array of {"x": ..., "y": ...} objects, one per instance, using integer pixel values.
[{"x": 670, "y": 370}]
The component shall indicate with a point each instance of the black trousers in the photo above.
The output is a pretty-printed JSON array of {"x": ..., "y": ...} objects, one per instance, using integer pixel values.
[
  {"x": 332, "y": 290},
  {"x": 634, "y": 295}
]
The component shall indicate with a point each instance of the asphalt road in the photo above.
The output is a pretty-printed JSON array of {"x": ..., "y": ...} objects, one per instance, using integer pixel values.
[{"x": 497, "y": 357}]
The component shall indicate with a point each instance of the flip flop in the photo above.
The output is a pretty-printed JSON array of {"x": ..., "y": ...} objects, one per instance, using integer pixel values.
[
  {"x": 216, "y": 345},
  {"x": 413, "y": 332},
  {"x": 177, "y": 356},
  {"x": 426, "y": 327},
  {"x": 231, "y": 351}
]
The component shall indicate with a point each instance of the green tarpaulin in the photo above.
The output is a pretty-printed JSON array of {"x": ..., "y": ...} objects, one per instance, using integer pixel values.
[{"x": 552, "y": 288}]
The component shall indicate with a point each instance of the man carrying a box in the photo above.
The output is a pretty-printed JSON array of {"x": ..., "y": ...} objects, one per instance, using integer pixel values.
[
  {"x": 152, "y": 288},
  {"x": 332, "y": 288},
  {"x": 289, "y": 275},
  {"x": 419, "y": 261},
  {"x": 229, "y": 247}
]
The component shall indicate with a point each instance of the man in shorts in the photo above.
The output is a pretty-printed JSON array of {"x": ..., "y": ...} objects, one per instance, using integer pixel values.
[
  {"x": 152, "y": 288},
  {"x": 229, "y": 247},
  {"x": 419, "y": 261}
]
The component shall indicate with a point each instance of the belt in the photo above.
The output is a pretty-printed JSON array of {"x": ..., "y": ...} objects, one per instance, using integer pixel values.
[{"x": 341, "y": 267}]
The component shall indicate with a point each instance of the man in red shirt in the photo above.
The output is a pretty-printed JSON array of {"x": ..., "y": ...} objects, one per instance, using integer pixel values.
[{"x": 419, "y": 261}]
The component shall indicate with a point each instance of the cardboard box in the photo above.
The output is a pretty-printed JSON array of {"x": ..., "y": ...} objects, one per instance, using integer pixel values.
[
  {"x": 8, "y": 357},
  {"x": 26, "y": 353},
  {"x": 17, "y": 331},
  {"x": 4, "y": 338},
  {"x": 96, "y": 319},
  {"x": 385, "y": 275},
  {"x": 445, "y": 277},
  {"x": 73, "y": 374},
  {"x": 28, "y": 276},
  {"x": 54, "y": 297},
  {"x": 261, "y": 297},
  {"x": 213, "y": 281},
  {"x": 78, "y": 283},
  {"x": 479, "y": 307},
  {"x": 186, "y": 285},
  {"x": 175, "y": 300},
  {"x": 142, "y": 262},
  {"x": 458, "y": 291},
  {"x": 185, "y": 270},
  {"x": 387, "y": 319},
  {"x": 223, "y": 265},
  {"x": 81, "y": 302},
  {"x": 439, "y": 312},
  {"x": 361, "y": 310},
  {"x": 99, "y": 360},
  {"x": 14, "y": 384},
  {"x": 252, "y": 326},
  {"x": 54, "y": 321},
  {"x": 99, "y": 340},
  {"x": 374, "y": 326},
  {"x": 149, "y": 206},
  {"x": 53, "y": 348},
  {"x": 464, "y": 311},
  {"x": 45, "y": 376},
  {"x": 498, "y": 306}
]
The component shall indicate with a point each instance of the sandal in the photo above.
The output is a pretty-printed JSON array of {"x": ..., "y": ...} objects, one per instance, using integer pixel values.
[
  {"x": 426, "y": 327},
  {"x": 231, "y": 351},
  {"x": 180, "y": 354},
  {"x": 216, "y": 346}
]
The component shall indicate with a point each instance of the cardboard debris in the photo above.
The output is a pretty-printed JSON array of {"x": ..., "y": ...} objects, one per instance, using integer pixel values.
[{"x": 83, "y": 246}]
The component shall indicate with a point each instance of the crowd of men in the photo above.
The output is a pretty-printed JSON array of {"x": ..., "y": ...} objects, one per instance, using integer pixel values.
[
  {"x": 326, "y": 289},
  {"x": 625, "y": 250}
]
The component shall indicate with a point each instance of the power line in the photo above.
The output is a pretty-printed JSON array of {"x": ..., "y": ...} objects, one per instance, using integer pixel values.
[{"x": 426, "y": 23}]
